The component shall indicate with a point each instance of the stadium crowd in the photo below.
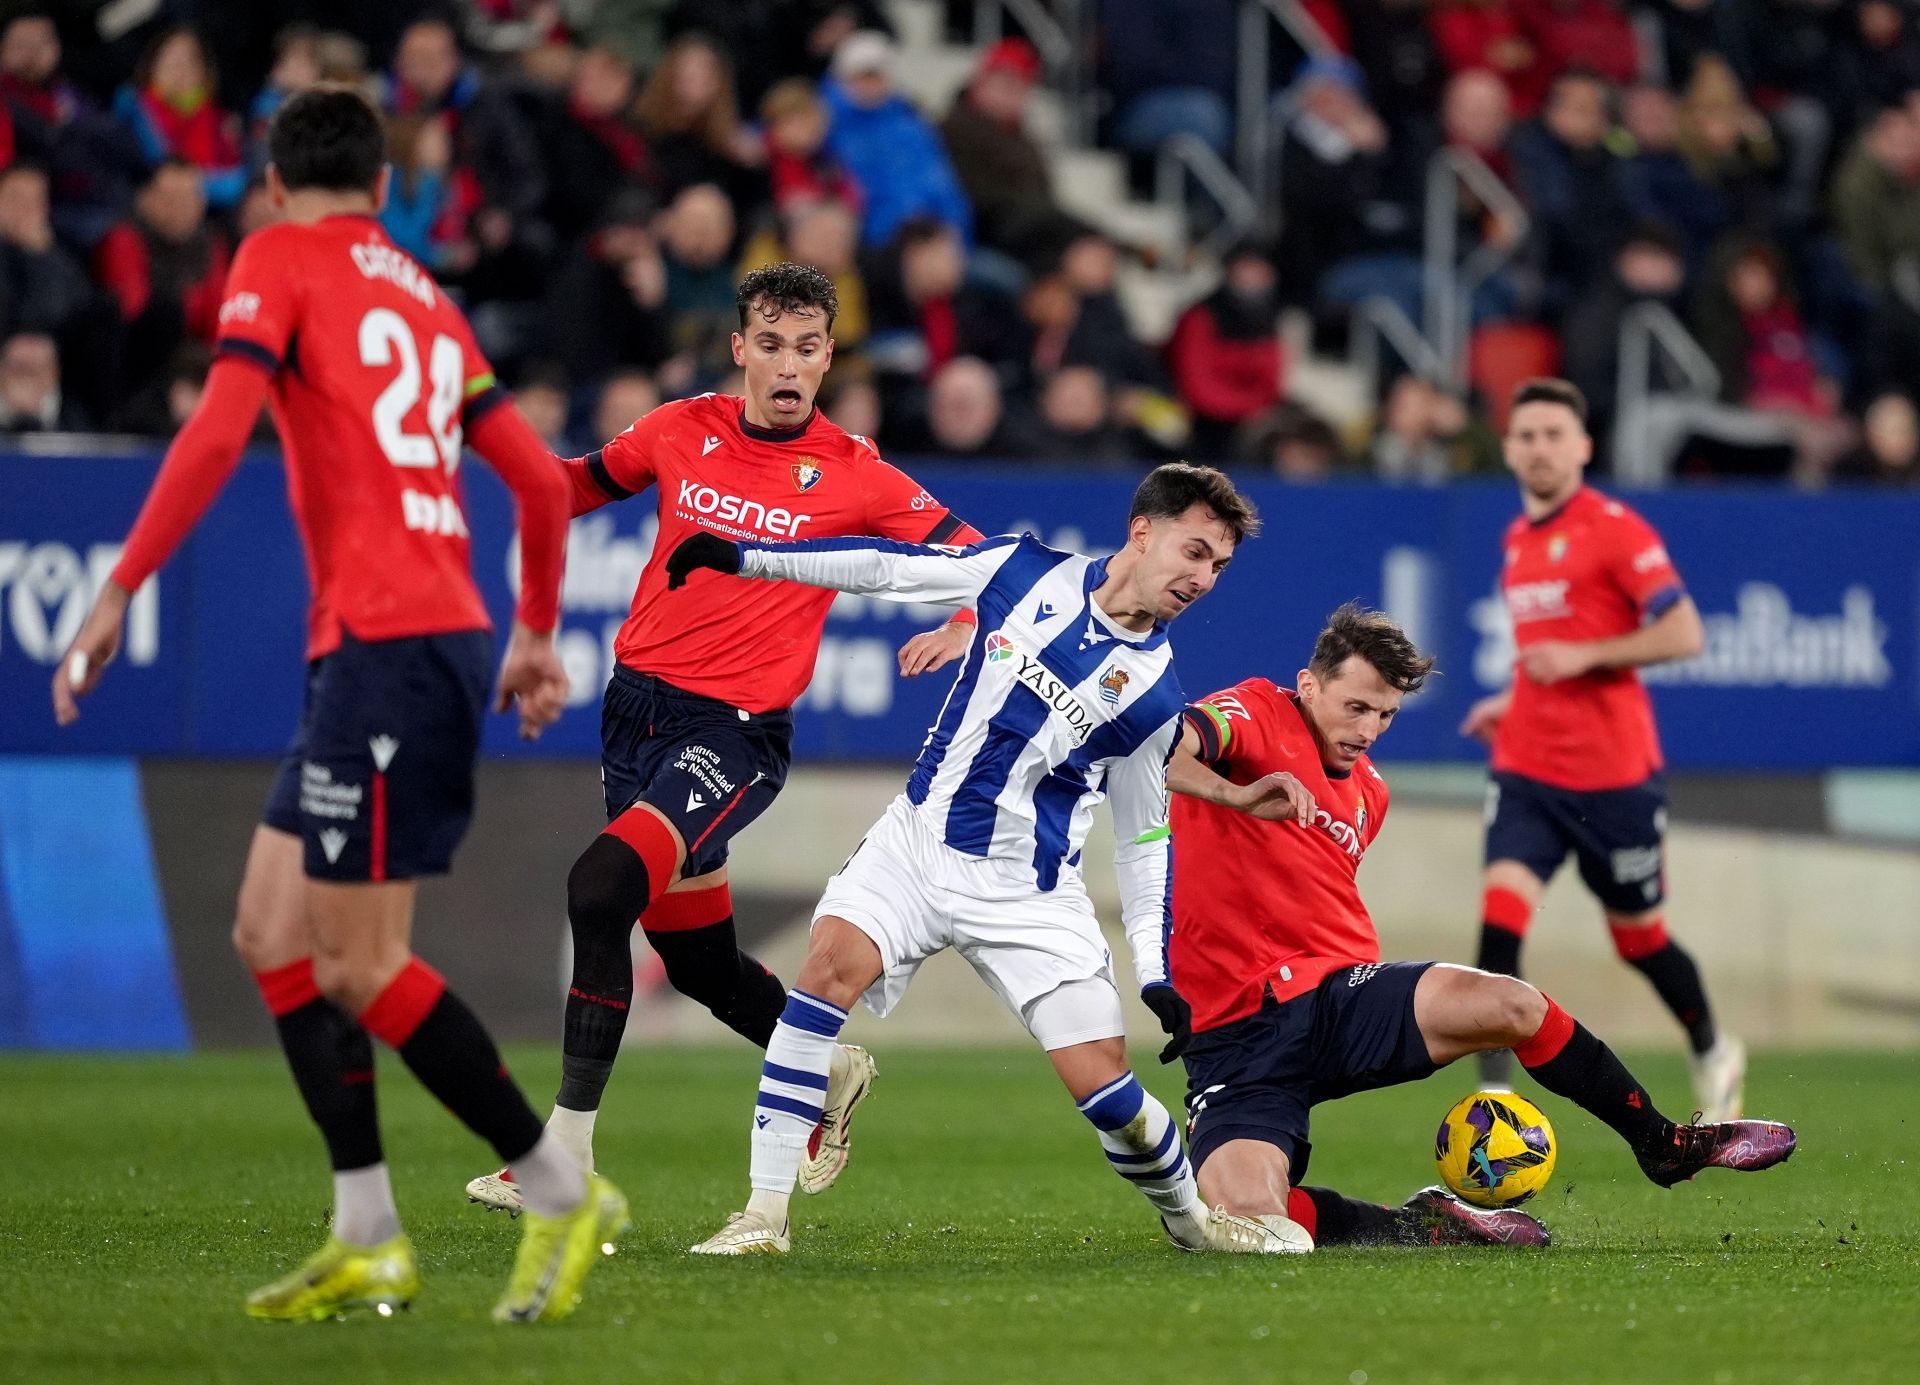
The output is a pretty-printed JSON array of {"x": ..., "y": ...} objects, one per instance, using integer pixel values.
[{"x": 590, "y": 177}]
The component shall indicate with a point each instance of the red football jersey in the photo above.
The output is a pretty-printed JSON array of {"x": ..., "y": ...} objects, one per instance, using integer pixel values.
[
  {"x": 1268, "y": 906},
  {"x": 374, "y": 374},
  {"x": 1591, "y": 570},
  {"x": 749, "y": 644}
]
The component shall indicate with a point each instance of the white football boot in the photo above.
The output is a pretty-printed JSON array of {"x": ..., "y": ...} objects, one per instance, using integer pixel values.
[
  {"x": 746, "y": 1233},
  {"x": 1719, "y": 1079},
  {"x": 849, "y": 1082},
  {"x": 497, "y": 1192},
  {"x": 1235, "y": 1235}
]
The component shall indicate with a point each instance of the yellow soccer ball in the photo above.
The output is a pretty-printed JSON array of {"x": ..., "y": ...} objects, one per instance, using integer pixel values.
[{"x": 1495, "y": 1149}]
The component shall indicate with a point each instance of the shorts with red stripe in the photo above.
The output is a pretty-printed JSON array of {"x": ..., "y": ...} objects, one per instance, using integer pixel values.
[
  {"x": 378, "y": 779},
  {"x": 707, "y": 766}
]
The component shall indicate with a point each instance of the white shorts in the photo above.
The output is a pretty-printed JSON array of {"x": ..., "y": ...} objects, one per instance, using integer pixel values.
[{"x": 1042, "y": 953}]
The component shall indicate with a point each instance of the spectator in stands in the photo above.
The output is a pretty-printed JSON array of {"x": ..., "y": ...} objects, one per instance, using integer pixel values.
[
  {"x": 158, "y": 410},
  {"x": 1889, "y": 451},
  {"x": 1171, "y": 67},
  {"x": 172, "y": 105},
  {"x": 606, "y": 306},
  {"x": 1077, "y": 422},
  {"x": 773, "y": 41},
  {"x": 627, "y": 397},
  {"x": 1647, "y": 268},
  {"x": 496, "y": 179},
  {"x": 1294, "y": 443},
  {"x": 1749, "y": 323},
  {"x": 1100, "y": 334},
  {"x": 888, "y": 146},
  {"x": 542, "y": 397},
  {"x": 42, "y": 287},
  {"x": 967, "y": 416},
  {"x": 850, "y": 399},
  {"x": 93, "y": 162},
  {"x": 1568, "y": 178},
  {"x": 1876, "y": 196},
  {"x": 826, "y": 235},
  {"x": 166, "y": 266},
  {"x": 1487, "y": 34},
  {"x": 698, "y": 230},
  {"x": 420, "y": 152},
  {"x": 925, "y": 314},
  {"x": 1002, "y": 169},
  {"x": 1729, "y": 146},
  {"x": 296, "y": 66},
  {"x": 1596, "y": 35},
  {"x": 30, "y": 397},
  {"x": 1225, "y": 351},
  {"x": 1403, "y": 68},
  {"x": 512, "y": 28},
  {"x": 1882, "y": 56},
  {"x": 1427, "y": 436},
  {"x": 1335, "y": 169},
  {"x": 1657, "y": 181},
  {"x": 592, "y": 141},
  {"x": 693, "y": 127},
  {"x": 798, "y": 166}
]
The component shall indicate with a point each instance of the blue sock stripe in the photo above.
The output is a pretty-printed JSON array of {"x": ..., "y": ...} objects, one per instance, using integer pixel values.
[
  {"x": 811, "y": 1015},
  {"x": 1114, "y": 1106},
  {"x": 1172, "y": 1175},
  {"x": 796, "y": 1077},
  {"x": 792, "y": 1106},
  {"x": 1166, "y": 1146},
  {"x": 1119, "y": 1082}
]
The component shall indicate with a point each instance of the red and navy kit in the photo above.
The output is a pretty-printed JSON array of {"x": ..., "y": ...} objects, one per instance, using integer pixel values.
[
  {"x": 375, "y": 384},
  {"x": 696, "y": 721},
  {"x": 1591, "y": 570},
  {"x": 1576, "y": 764},
  {"x": 1271, "y": 944}
]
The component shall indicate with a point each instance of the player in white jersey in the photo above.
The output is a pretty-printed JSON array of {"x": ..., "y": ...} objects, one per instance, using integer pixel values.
[{"x": 1068, "y": 696}]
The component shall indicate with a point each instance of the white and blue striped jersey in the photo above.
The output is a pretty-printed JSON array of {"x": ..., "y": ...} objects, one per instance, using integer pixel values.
[{"x": 1055, "y": 707}]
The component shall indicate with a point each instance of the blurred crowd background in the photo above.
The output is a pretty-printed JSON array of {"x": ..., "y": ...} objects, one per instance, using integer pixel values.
[{"x": 1423, "y": 201}]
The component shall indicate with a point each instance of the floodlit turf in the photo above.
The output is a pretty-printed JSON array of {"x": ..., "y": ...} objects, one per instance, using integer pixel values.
[{"x": 977, "y": 1237}]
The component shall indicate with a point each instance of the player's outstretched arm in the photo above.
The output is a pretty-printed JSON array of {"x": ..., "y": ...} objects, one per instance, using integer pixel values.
[
  {"x": 868, "y": 567},
  {"x": 531, "y": 674},
  {"x": 1277, "y": 797},
  {"x": 197, "y": 465},
  {"x": 932, "y": 650}
]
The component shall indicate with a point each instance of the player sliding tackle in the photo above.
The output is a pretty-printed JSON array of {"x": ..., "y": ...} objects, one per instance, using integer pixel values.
[
  {"x": 1276, "y": 803},
  {"x": 1068, "y": 697}
]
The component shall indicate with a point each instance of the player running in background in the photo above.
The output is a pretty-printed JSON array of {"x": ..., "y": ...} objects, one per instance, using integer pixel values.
[
  {"x": 696, "y": 727},
  {"x": 1593, "y": 596},
  {"x": 375, "y": 382},
  {"x": 1069, "y": 697},
  {"x": 1275, "y": 804}
]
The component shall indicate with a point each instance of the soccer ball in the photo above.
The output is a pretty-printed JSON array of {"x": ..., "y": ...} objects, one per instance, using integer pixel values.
[{"x": 1495, "y": 1149}]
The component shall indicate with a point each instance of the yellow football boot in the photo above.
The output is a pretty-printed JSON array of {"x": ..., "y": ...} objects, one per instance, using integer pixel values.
[
  {"x": 339, "y": 1278},
  {"x": 556, "y": 1253}
]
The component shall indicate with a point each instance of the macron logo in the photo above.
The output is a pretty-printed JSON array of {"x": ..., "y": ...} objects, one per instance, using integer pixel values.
[
  {"x": 711, "y": 443},
  {"x": 333, "y": 841},
  {"x": 383, "y": 748},
  {"x": 760, "y": 1120},
  {"x": 695, "y": 802}
]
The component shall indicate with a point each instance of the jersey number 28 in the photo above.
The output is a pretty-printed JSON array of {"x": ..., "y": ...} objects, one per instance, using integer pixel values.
[{"x": 384, "y": 338}]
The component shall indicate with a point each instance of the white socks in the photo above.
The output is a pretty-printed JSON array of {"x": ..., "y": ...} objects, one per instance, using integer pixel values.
[
  {"x": 552, "y": 1183},
  {"x": 793, "y": 1089},
  {"x": 574, "y": 1129},
  {"x": 363, "y": 1210}
]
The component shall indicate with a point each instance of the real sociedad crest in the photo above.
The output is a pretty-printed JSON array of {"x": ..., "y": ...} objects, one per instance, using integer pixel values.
[
  {"x": 1112, "y": 682},
  {"x": 805, "y": 474}
]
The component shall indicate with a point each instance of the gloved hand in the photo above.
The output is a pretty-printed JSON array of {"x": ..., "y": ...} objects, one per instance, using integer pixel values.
[
  {"x": 1174, "y": 1014},
  {"x": 703, "y": 550}
]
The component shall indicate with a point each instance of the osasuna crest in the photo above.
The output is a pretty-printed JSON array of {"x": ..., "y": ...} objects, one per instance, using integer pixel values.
[
  {"x": 1112, "y": 682},
  {"x": 806, "y": 475},
  {"x": 1556, "y": 546},
  {"x": 1360, "y": 819}
]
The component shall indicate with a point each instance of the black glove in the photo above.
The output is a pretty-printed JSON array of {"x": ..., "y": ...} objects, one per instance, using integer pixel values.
[
  {"x": 1175, "y": 1015},
  {"x": 702, "y": 550}
]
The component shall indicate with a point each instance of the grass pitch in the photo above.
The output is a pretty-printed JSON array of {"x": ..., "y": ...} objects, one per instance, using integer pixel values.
[{"x": 977, "y": 1237}]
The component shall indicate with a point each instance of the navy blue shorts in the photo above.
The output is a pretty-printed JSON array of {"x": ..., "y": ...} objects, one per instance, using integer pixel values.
[
  {"x": 704, "y": 765},
  {"x": 1617, "y": 836},
  {"x": 1257, "y": 1078},
  {"x": 378, "y": 780}
]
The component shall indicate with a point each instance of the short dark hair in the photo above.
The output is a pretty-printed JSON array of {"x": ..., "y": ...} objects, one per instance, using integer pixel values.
[
  {"x": 1357, "y": 631},
  {"x": 327, "y": 137},
  {"x": 1542, "y": 390},
  {"x": 774, "y": 289},
  {"x": 1171, "y": 489}
]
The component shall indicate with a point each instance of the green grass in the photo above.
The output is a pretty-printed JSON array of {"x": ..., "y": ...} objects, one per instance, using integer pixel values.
[{"x": 976, "y": 1238}]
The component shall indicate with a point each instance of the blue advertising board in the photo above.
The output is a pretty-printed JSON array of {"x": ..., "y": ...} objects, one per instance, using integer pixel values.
[{"x": 1812, "y": 608}]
